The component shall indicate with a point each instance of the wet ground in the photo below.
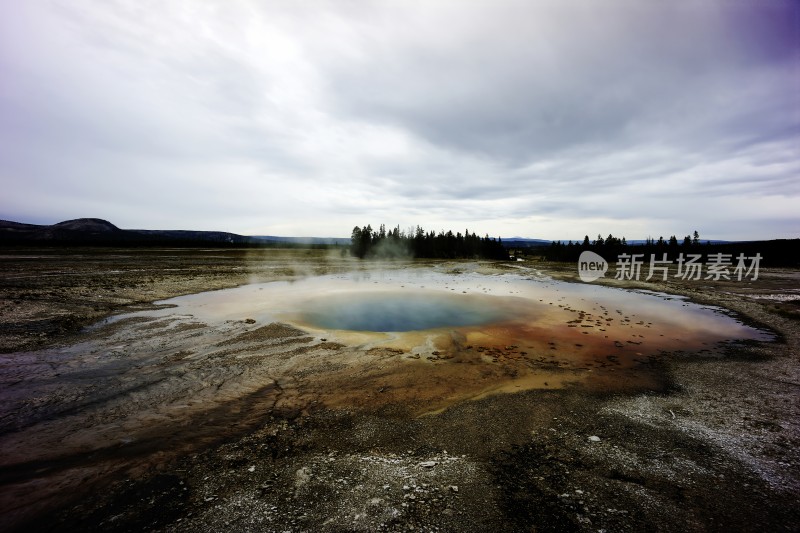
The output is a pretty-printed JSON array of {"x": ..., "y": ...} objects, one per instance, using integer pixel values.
[{"x": 550, "y": 406}]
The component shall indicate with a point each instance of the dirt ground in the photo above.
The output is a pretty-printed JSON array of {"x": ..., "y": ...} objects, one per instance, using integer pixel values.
[{"x": 241, "y": 435}]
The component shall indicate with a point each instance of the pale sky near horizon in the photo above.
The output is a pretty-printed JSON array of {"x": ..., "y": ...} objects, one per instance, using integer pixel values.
[{"x": 544, "y": 119}]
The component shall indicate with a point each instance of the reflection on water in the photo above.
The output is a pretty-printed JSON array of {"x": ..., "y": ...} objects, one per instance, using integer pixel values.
[{"x": 399, "y": 312}]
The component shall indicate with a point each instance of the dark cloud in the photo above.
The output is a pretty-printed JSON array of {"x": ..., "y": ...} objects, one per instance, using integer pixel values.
[
  {"x": 512, "y": 117},
  {"x": 515, "y": 87}
]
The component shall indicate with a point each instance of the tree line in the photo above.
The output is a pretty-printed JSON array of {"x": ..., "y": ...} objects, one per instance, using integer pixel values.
[
  {"x": 612, "y": 246},
  {"x": 366, "y": 242}
]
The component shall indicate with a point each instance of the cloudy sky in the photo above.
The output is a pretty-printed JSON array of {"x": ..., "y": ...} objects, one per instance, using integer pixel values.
[{"x": 544, "y": 119}]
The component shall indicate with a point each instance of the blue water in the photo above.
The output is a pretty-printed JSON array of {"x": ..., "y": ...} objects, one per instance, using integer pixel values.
[{"x": 393, "y": 312}]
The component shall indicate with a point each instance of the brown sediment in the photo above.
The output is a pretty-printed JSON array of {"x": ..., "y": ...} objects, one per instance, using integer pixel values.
[
  {"x": 215, "y": 359},
  {"x": 281, "y": 396}
]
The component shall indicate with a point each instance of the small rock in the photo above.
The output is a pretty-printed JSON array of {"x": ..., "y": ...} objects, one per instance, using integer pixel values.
[
  {"x": 302, "y": 476},
  {"x": 250, "y": 321},
  {"x": 594, "y": 438},
  {"x": 251, "y": 469},
  {"x": 427, "y": 464},
  {"x": 454, "y": 488}
]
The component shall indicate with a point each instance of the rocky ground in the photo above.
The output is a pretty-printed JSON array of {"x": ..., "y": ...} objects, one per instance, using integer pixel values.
[{"x": 713, "y": 447}]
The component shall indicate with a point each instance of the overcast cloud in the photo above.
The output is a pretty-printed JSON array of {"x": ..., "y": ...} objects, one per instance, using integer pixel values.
[{"x": 548, "y": 119}]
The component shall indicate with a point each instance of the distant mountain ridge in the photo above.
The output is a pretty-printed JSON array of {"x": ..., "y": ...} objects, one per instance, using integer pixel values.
[
  {"x": 304, "y": 240},
  {"x": 91, "y": 225},
  {"x": 96, "y": 231},
  {"x": 69, "y": 230},
  {"x": 521, "y": 242}
]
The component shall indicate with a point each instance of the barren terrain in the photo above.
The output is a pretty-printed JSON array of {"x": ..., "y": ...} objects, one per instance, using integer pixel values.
[{"x": 173, "y": 423}]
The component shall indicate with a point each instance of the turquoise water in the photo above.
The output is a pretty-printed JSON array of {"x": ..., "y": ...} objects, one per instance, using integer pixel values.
[{"x": 397, "y": 312}]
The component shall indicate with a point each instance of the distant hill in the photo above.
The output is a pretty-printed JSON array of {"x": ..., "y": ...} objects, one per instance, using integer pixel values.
[
  {"x": 213, "y": 237},
  {"x": 98, "y": 232},
  {"x": 70, "y": 231},
  {"x": 702, "y": 241},
  {"x": 304, "y": 240},
  {"x": 93, "y": 226},
  {"x": 520, "y": 242}
]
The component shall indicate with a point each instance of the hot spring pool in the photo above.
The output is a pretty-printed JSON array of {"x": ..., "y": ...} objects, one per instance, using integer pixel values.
[{"x": 397, "y": 312}]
